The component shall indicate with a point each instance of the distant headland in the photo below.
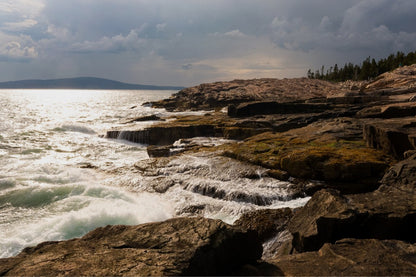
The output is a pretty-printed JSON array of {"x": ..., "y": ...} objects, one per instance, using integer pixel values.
[{"x": 80, "y": 83}]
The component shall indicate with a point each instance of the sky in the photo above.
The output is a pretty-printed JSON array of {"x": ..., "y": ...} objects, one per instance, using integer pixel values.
[{"x": 187, "y": 42}]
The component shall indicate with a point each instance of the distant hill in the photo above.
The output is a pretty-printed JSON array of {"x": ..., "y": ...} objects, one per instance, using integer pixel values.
[{"x": 79, "y": 83}]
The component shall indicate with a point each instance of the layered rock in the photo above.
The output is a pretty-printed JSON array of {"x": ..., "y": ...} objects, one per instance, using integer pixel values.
[
  {"x": 163, "y": 135},
  {"x": 181, "y": 246}
]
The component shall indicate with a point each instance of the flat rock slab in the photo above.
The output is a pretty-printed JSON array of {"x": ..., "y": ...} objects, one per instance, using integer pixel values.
[
  {"x": 389, "y": 111},
  {"x": 180, "y": 246},
  {"x": 352, "y": 257}
]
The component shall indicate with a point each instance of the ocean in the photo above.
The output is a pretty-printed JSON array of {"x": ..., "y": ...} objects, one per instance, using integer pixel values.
[{"x": 61, "y": 178}]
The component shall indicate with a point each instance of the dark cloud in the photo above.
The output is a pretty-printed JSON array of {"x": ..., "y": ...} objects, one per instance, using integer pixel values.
[
  {"x": 186, "y": 66},
  {"x": 381, "y": 25},
  {"x": 185, "y": 42}
]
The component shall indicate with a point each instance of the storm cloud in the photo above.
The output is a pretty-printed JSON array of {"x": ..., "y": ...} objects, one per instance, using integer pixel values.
[{"x": 186, "y": 42}]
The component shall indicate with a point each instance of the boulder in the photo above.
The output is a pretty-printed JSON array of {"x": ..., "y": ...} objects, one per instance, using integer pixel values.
[
  {"x": 271, "y": 225},
  {"x": 180, "y": 246},
  {"x": 388, "y": 213},
  {"x": 393, "y": 136},
  {"x": 267, "y": 223},
  {"x": 402, "y": 173},
  {"x": 351, "y": 257}
]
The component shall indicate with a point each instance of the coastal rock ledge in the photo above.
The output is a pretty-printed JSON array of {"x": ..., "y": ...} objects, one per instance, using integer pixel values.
[{"x": 179, "y": 246}]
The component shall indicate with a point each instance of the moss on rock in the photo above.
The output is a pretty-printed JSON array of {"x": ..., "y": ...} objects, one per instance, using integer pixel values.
[{"x": 328, "y": 160}]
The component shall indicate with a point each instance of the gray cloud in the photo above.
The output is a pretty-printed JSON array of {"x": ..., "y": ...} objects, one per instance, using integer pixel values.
[
  {"x": 186, "y": 66},
  {"x": 185, "y": 42},
  {"x": 380, "y": 25},
  {"x": 118, "y": 43}
]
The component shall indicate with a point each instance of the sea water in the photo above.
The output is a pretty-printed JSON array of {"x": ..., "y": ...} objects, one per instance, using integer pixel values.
[{"x": 60, "y": 178}]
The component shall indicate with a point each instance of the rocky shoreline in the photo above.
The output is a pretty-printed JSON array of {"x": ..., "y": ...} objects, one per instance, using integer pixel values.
[{"x": 356, "y": 142}]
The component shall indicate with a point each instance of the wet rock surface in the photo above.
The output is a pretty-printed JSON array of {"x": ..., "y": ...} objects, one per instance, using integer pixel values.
[
  {"x": 181, "y": 246},
  {"x": 218, "y": 177}
]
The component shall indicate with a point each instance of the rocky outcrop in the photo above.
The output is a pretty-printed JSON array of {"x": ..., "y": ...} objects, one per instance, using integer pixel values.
[
  {"x": 181, "y": 246},
  {"x": 402, "y": 173},
  {"x": 322, "y": 151},
  {"x": 267, "y": 223},
  {"x": 221, "y": 94},
  {"x": 342, "y": 136},
  {"x": 164, "y": 135},
  {"x": 393, "y": 136},
  {"x": 400, "y": 78},
  {"x": 388, "y": 213},
  {"x": 352, "y": 257}
]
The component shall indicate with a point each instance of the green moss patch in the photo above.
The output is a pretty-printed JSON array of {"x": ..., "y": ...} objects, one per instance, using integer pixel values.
[{"x": 329, "y": 160}]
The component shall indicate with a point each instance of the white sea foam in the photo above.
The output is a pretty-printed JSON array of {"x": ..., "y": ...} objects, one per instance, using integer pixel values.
[
  {"x": 59, "y": 179},
  {"x": 72, "y": 212}
]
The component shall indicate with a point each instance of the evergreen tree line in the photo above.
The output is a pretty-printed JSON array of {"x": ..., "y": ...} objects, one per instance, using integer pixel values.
[{"x": 369, "y": 68}]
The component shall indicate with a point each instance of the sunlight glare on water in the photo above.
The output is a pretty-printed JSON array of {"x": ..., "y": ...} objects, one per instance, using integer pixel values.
[
  {"x": 45, "y": 138},
  {"x": 60, "y": 178}
]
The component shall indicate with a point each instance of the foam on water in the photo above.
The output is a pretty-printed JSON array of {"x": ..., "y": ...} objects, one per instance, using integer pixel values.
[
  {"x": 65, "y": 212},
  {"x": 46, "y": 136},
  {"x": 59, "y": 178}
]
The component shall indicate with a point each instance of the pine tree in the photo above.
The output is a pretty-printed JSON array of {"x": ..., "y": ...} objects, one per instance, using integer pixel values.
[{"x": 369, "y": 68}]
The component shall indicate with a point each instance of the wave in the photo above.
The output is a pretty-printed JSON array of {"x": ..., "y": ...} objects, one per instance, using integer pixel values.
[
  {"x": 78, "y": 210},
  {"x": 75, "y": 128},
  {"x": 7, "y": 183}
]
